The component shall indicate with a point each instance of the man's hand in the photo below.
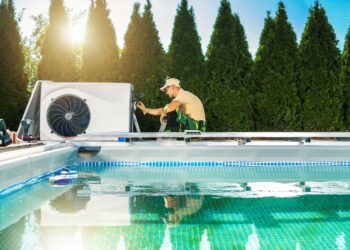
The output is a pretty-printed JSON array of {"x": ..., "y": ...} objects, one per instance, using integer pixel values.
[{"x": 142, "y": 107}]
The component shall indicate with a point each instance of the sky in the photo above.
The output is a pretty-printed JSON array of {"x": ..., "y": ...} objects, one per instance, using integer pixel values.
[{"x": 251, "y": 12}]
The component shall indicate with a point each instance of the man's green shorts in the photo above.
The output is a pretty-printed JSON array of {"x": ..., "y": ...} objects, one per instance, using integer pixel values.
[{"x": 187, "y": 123}]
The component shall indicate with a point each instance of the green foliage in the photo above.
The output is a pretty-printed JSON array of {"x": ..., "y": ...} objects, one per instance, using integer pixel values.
[
  {"x": 131, "y": 62},
  {"x": 227, "y": 99},
  {"x": 154, "y": 68},
  {"x": 13, "y": 81},
  {"x": 186, "y": 60},
  {"x": 345, "y": 80},
  {"x": 76, "y": 19},
  {"x": 320, "y": 89},
  {"x": 143, "y": 63},
  {"x": 285, "y": 89},
  {"x": 275, "y": 74},
  {"x": 154, "y": 56},
  {"x": 31, "y": 49},
  {"x": 100, "y": 50},
  {"x": 57, "y": 59}
]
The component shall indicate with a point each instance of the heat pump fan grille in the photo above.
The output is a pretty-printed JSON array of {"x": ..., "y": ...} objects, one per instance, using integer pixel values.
[{"x": 68, "y": 116}]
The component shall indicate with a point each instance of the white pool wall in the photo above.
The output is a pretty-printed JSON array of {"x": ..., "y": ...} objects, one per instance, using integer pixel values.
[
  {"x": 219, "y": 151},
  {"x": 20, "y": 165}
]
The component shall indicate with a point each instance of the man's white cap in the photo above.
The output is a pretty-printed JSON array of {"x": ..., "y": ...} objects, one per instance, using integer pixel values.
[{"x": 171, "y": 82}]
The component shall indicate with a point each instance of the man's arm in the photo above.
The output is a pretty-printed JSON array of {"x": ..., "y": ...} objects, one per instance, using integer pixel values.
[
  {"x": 159, "y": 111},
  {"x": 174, "y": 105}
]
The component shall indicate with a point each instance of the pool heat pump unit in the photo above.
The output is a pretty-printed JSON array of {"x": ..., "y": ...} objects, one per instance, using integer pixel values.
[{"x": 70, "y": 109}]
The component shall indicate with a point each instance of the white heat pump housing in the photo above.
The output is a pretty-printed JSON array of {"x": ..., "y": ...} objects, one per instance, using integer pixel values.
[{"x": 107, "y": 107}]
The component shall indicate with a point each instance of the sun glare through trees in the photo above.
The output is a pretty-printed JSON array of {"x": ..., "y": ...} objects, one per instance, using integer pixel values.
[{"x": 77, "y": 31}]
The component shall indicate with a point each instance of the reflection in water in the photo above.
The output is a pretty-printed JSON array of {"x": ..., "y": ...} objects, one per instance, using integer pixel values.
[
  {"x": 166, "y": 245},
  {"x": 185, "y": 219},
  {"x": 121, "y": 243},
  {"x": 205, "y": 244},
  {"x": 31, "y": 238},
  {"x": 253, "y": 240},
  {"x": 340, "y": 241},
  {"x": 71, "y": 201},
  {"x": 11, "y": 237},
  {"x": 297, "y": 247},
  {"x": 182, "y": 206},
  {"x": 147, "y": 230}
]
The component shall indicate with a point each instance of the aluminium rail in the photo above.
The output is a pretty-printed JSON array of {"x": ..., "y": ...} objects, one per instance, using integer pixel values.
[{"x": 240, "y": 136}]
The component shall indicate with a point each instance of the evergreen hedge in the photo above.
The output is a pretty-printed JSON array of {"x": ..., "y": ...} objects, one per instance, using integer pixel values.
[
  {"x": 13, "y": 81},
  {"x": 319, "y": 86},
  {"x": 57, "y": 58}
]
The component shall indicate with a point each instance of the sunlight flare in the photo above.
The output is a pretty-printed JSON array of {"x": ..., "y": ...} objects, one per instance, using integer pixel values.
[{"x": 77, "y": 32}]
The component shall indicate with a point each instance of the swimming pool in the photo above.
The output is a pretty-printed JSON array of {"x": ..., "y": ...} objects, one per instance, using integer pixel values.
[
  {"x": 182, "y": 208},
  {"x": 173, "y": 194}
]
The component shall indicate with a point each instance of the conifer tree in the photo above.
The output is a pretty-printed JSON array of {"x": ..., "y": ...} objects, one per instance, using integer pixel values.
[
  {"x": 131, "y": 64},
  {"x": 100, "y": 50},
  {"x": 228, "y": 102},
  {"x": 345, "y": 80},
  {"x": 265, "y": 37},
  {"x": 144, "y": 64},
  {"x": 258, "y": 71},
  {"x": 143, "y": 57},
  {"x": 32, "y": 47},
  {"x": 153, "y": 72},
  {"x": 154, "y": 55},
  {"x": 185, "y": 53},
  {"x": 13, "y": 81},
  {"x": 57, "y": 57},
  {"x": 277, "y": 102},
  {"x": 320, "y": 89}
]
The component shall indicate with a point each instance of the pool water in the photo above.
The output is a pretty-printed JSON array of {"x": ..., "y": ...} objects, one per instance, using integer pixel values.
[{"x": 120, "y": 213}]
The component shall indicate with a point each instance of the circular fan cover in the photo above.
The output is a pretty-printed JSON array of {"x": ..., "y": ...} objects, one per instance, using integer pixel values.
[{"x": 68, "y": 115}]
